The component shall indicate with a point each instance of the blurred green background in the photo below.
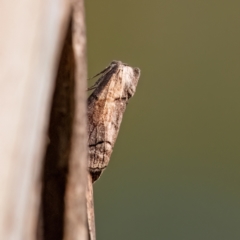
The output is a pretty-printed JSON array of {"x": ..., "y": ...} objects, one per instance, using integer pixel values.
[{"x": 175, "y": 171}]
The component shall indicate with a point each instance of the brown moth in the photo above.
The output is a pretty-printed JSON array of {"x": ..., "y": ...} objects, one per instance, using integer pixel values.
[{"x": 106, "y": 106}]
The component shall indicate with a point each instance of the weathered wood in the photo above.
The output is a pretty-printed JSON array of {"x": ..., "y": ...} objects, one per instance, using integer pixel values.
[
  {"x": 75, "y": 199},
  {"x": 65, "y": 172},
  {"x": 90, "y": 209},
  {"x": 56, "y": 163},
  {"x": 31, "y": 36}
]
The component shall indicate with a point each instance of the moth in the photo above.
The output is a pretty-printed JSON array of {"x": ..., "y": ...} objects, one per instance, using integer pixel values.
[{"x": 116, "y": 85}]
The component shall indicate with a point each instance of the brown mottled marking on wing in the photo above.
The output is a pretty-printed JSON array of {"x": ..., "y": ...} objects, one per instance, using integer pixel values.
[{"x": 106, "y": 106}]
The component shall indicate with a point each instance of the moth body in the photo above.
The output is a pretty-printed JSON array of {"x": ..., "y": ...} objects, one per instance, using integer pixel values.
[{"x": 106, "y": 106}]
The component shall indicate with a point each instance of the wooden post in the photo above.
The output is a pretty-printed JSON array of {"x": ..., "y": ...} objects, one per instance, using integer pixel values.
[{"x": 32, "y": 33}]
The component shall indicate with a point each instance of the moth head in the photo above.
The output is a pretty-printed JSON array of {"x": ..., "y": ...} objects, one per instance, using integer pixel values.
[
  {"x": 132, "y": 84},
  {"x": 137, "y": 72}
]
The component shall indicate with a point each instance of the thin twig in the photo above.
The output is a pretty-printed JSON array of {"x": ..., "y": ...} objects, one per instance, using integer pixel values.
[{"x": 90, "y": 209}]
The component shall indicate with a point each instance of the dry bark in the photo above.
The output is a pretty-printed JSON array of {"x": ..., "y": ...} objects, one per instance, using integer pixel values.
[
  {"x": 90, "y": 209},
  {"x": 56, "y": 163},
  {"x": 75, "y": 201},
  {"x": 65, "y": 172}
]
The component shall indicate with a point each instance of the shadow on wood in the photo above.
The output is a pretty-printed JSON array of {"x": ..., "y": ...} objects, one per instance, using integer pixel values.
[{"x": 59, "y": 146}]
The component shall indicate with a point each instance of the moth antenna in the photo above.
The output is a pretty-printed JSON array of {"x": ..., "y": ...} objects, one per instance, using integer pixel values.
[
  {"x": 97, "y": 74},
  {"x": 104, "y": 71},
  {"x": 92, "y": 87}
]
